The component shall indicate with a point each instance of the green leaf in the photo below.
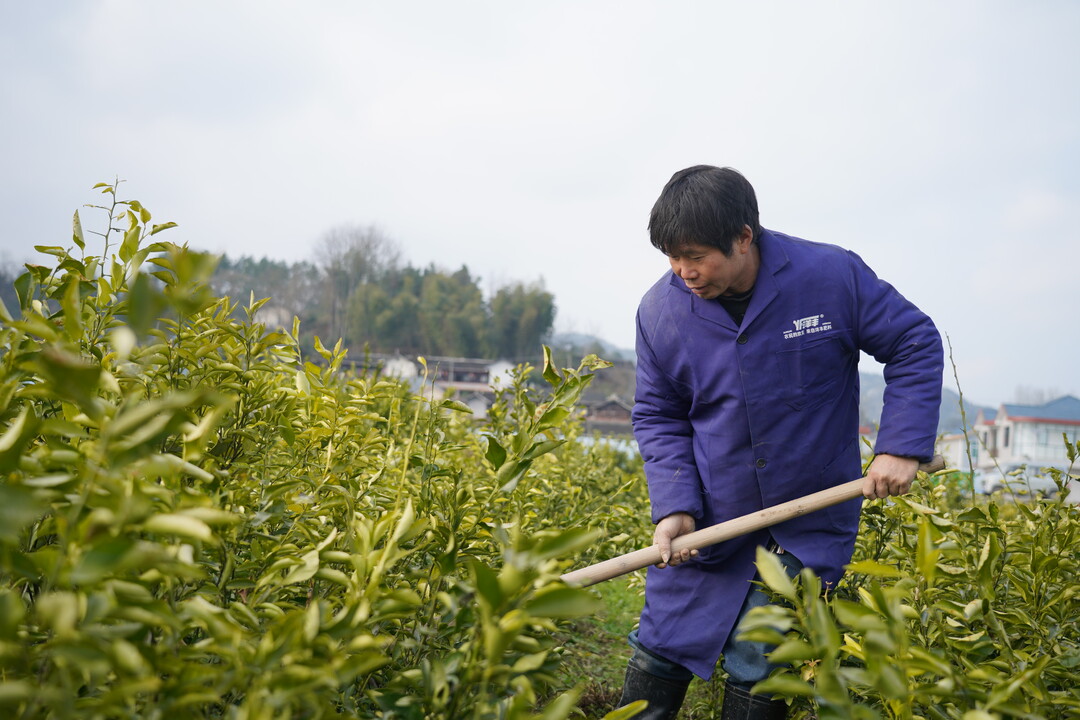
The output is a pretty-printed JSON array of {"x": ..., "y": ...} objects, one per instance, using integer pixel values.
[
  {"x": 776, "y": 618},
  {"x": 627, "y": 711},
  {"x": 774, "y": 576},
  {"x": 785, "y": 685},
  {"x": 71, "y": 304},
  {"x": 972, "y": 515},
  {"x": 12, "y": 613},
  {"x": 553, "y": 417},
  {"x": 822, "y": 627},
  {"x": 890, "y": 682},
  {"x": 1070, "y": 659},
  {"x": 312, "y": 619},
  {"x": 487, "y": 584},
  {"x": 976, "y": 608},
  {"x": 131, "y": 239},
  {"x": 321, "y": 349},
  {"x": 510, "y": 475},
  {"x": 182, "y": 525},
  {"x": 564, "y": 707},
  {"x": 566, "y": 542},
  {"x": 49, "y": 481},
  {"x": 77, "y": 232},
  {"x": 146, "y": 303},
  {"x": 792, "y": 651},
  {"x": 16, "y": 437},
  {"x": 496, "y": 453},
  {"x": 991, "y": 550},
  {"x": 34, "y": 324},
  {"x": 530, "y": 663},
  {"x": 456, "y": 406},
  {"x": 213, "y": 516},
  {"x": 102, "y": 559},
  {"x": 309, "y": 565},
  {"x": 144, "y": 214},
  {"x": 72, "y": 378},
  {"x": 918, "y": 507},
  {"x": 928, "y": 661},
  {"x": 24, "y": 288},
  {"x": 767, "y": 635},
  {"x": 563, "y": 602},
  {"x": 542, "y": 448},
  {"x": 406, "y": 524},
  {"x": 855, "y": 615},
  {"x": 18, "y": 508},
  {"x": 551, "y": 373},
  {"x": 136, "y": 430},
  {"x": 51, "y": 250},
  {"x": 874, "y": 569},
  {"x": 59, "y": 612},
  {"x": 926, "y": 554}
]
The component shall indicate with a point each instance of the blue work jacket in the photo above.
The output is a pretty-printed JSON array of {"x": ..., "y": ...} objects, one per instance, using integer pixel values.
[{"x": 734, "y": 418}]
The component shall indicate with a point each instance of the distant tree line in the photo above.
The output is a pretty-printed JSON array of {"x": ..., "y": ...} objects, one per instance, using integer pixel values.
[{"x": 358, "y": 289}]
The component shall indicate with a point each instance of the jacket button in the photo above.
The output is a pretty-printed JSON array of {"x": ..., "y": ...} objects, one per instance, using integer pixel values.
[
  {"x": 761, "y": 462},
  {"x": 742, "y": 339}
]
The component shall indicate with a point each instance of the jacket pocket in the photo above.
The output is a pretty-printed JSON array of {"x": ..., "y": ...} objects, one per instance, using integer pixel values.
[{"x": 810, "y": 372}]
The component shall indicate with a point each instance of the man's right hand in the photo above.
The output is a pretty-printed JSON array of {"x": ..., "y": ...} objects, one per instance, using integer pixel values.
[{"x": 667, "y": 530}]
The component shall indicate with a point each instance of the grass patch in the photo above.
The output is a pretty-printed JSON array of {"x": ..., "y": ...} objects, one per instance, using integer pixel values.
[{"x": 596, "y": 652}]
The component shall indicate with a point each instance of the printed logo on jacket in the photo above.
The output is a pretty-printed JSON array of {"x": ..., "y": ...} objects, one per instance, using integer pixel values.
[{"x": 807, "y": 326}]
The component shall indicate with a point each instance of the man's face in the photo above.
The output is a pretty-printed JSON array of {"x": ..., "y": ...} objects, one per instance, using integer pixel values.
[{"x": 708, "y": 273}]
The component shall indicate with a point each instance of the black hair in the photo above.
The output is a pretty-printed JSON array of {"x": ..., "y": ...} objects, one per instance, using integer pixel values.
[{"x": 703, "y": 205}]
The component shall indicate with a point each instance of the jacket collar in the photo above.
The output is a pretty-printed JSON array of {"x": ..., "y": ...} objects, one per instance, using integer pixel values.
[{"x": 773, "y": 258}]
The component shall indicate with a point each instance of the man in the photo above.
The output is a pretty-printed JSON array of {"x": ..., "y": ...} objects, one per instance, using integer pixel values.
[{"x": 748, "y": 396}]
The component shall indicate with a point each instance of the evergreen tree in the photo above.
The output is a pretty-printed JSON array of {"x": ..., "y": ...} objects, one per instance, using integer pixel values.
[
  {"x": 452, "y": 314},
  {"x": 521, "y": 318}
]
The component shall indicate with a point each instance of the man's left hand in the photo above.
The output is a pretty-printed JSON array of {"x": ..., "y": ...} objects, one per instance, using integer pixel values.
[{"x": 889, "y": 475}]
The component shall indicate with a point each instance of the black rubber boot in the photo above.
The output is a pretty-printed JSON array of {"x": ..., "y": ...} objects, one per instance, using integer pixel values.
[
  {"x": 665, "y": 696},
  {"x": 739, "y": 704}
]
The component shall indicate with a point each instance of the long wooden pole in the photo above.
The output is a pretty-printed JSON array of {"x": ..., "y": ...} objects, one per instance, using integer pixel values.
[{"x": 727, "y": 530}]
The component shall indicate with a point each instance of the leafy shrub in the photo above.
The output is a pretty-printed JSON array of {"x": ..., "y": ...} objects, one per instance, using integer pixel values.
[
  {"x": 197, "y": 521},
  {"x": 968, "y": 612}
]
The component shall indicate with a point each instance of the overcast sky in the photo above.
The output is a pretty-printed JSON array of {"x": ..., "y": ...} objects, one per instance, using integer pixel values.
[{"x": 940, "y": 141}]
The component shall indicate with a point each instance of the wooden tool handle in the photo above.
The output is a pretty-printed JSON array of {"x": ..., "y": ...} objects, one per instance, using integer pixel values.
[{"x": 733, "y": 528}]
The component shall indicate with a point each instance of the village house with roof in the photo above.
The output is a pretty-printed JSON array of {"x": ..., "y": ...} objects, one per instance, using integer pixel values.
[
  {"x": 1015, "y": 435},
  {"x": 474, "y": 382}
]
